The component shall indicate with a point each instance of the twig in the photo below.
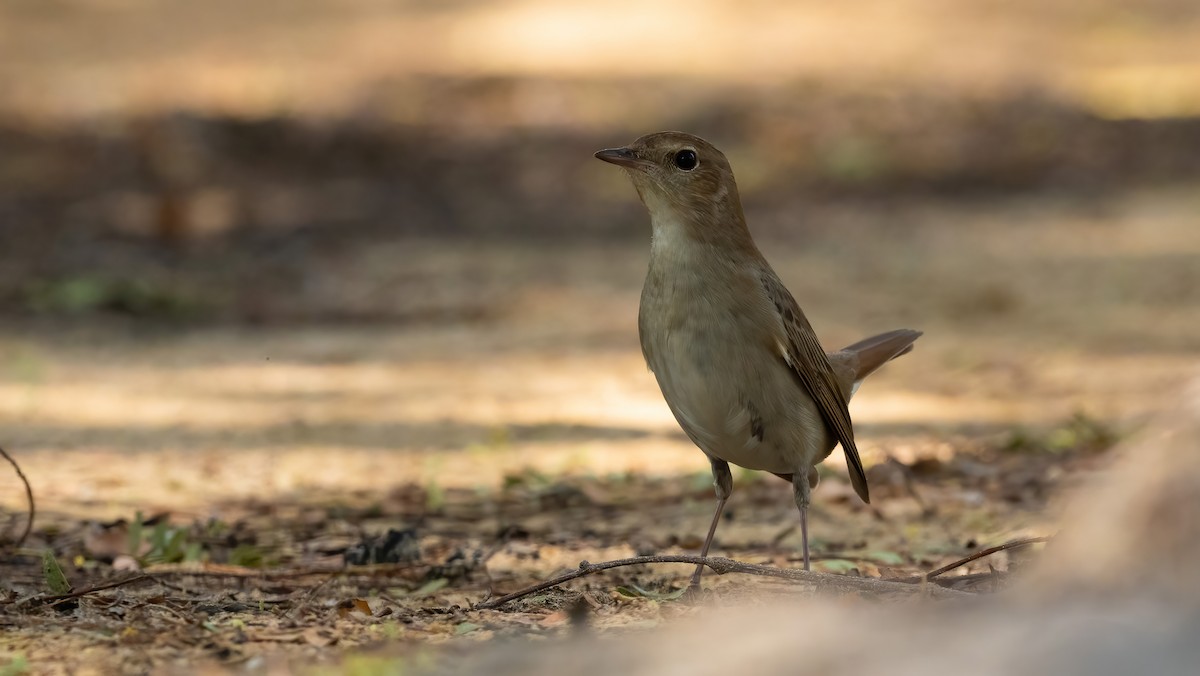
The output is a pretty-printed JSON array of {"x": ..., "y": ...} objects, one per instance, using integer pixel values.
[
  {"x": 247, "y": 574},
  {"x": 982, "y": 553},
  {"x": 28, "y": 496},
  {"x": 377, "y": 570},
  {"x": 59, "y": 598},
  {"x": 156, "y": 575},
  {"x": 721, "y": 565},
  {"x": 833, "y": 556}
]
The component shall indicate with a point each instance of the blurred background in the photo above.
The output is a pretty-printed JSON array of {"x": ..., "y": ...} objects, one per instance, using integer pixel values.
[{"x": 323, "y": 249}]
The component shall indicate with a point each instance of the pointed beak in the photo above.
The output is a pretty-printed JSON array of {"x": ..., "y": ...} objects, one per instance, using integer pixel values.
[{"x": 622, "y": 157}]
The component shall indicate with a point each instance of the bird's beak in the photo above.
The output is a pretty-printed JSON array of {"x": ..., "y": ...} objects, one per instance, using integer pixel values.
[{"x": 622, "y": 157}]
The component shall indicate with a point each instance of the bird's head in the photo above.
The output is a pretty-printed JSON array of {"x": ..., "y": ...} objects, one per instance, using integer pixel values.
[{"x": 681, "y": 178}]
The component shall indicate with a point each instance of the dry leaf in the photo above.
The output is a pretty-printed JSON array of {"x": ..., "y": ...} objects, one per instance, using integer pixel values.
[{"x": 349, "y": 606}]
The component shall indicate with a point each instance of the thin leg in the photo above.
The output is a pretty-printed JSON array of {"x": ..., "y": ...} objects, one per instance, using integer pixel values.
[
  {"x": 804, "y": 533},
  {"x": 802, "y": 485},
  {"x": 712, "y": 529},
  {"x": 723, "y": 483}
]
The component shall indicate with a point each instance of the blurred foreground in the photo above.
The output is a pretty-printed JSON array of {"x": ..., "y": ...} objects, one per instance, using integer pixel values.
[{"x": 1114, "y": 594}]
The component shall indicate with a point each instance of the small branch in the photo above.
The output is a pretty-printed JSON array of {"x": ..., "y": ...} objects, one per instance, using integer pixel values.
[
  {"x": 59, "y": 598},
  {"x": 376, "y": 570},
  {"x": 982, "y": 553},
  {"x": 28, "y": 496},
  {"x": 721, "y": 566},
  {"x": 157, "y": 574}
]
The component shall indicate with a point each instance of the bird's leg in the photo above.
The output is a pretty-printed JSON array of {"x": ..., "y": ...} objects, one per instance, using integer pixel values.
[
  {"x": 723, "y": 483},
  {"x": 804, "y": 533},
  {"x": 802, "y": 487}
]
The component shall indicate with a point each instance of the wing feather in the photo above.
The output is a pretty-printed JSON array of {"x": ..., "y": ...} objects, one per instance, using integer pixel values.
[{"x": 803, "y": 353}]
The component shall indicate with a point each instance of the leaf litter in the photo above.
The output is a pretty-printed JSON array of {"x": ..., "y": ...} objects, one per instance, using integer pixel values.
[{"x": 312, "y": 579}]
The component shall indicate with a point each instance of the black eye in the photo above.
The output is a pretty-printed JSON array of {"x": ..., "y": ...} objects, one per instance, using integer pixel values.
[{"x": 686, "y": 160}]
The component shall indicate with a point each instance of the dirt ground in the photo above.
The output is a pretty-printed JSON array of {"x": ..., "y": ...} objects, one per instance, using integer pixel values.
[{"x": 518, "y": 441}]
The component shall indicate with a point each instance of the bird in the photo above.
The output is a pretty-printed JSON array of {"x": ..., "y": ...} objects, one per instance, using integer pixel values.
[{"x": 738, "y": 363}]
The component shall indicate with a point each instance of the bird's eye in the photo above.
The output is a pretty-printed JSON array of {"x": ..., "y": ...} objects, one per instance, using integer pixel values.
[{"x": 686, "y": 160}]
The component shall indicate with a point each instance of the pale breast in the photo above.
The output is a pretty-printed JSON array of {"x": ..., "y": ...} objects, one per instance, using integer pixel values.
[{"x": 731, "y": 394}]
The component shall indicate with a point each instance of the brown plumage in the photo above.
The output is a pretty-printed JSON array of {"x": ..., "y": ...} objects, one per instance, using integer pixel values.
[{"x": 737, "y": 361}]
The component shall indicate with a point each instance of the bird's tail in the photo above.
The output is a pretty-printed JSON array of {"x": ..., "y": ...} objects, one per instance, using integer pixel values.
[{"x": 878, "y": 350}]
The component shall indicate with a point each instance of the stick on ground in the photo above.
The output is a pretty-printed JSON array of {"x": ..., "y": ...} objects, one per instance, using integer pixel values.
[
  {"x": 721, "y": 565},
  {"x": 52, "y": 599},
  {"x": 1013, "y": 544},
  {"x": 28, "y": 496}
]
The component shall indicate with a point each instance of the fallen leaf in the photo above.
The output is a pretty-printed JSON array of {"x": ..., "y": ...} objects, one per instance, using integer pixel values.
[
  {"x": 465, "y": 628},
  {"x": 430, "y": 587},
  {"x": 53, "y": 575},
  {"x": 349, "y": 606},
  {"x": 886, "y": 558},
  {"x": 837, "y": 566}
]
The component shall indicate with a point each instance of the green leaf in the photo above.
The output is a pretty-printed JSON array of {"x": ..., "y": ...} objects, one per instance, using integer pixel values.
[
  {"x": 246, "y": 555},
  {"x": 53, "y": 574},
  {"x": 158, "y": 537},
  {"x": 430, "y": 587},
  {"x": 193, "y": 552},
  {"x": 465, "y": 628},
  {"x": 838, "y": 565},
  {"x": 886, "y": 558}
]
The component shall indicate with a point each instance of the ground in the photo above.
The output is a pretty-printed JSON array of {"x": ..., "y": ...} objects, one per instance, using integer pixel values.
[
  {"x": 282, "y": 296},
  {"x": 518, "y": 442}
]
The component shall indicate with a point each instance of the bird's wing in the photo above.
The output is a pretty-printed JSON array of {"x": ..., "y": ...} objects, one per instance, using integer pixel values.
[{"x": 803, "y": 353}]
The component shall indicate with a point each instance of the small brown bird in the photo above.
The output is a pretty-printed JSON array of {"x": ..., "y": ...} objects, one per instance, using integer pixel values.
[{"x": 737, "y": 361}]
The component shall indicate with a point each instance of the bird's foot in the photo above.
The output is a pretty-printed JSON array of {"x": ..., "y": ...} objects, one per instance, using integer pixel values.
[{"x": 693, "y": 595}]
